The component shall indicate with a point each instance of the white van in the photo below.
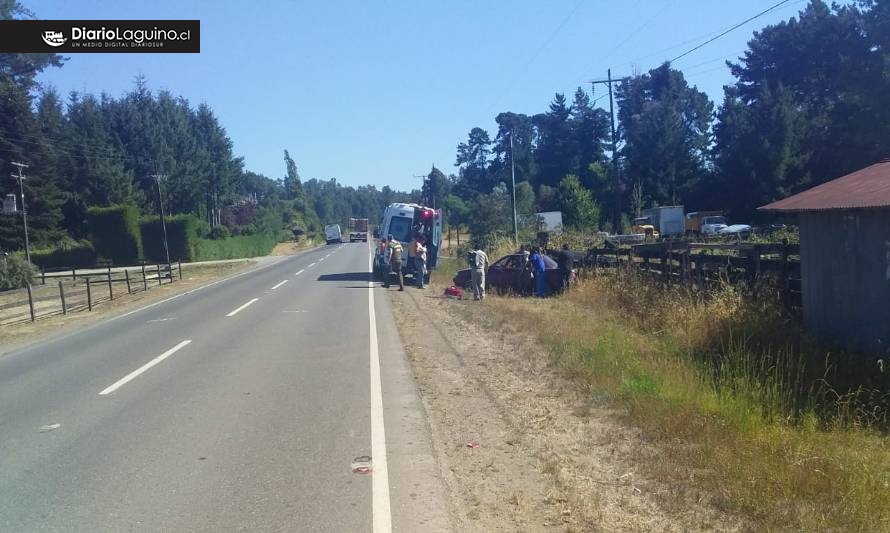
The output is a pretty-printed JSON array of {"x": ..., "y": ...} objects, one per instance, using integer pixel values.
[{"x": 332, "y": 233}]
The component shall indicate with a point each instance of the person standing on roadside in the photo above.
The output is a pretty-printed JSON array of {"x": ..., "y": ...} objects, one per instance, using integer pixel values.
[
  {"x": 566, "y": 263},
  {"x": 419, "y": 261},
  {"x": 394, "y": 259},
  {"x": 478, "y": 262},
  {"x": 522, "y": 271},
  {"x": 539, "y": 268}
]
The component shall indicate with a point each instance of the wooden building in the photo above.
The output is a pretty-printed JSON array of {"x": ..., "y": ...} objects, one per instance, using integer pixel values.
[{"x": 845, "y": 257}]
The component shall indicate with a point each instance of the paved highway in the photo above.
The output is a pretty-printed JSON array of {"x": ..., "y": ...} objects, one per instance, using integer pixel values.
[{"x": 238, "y": 406}]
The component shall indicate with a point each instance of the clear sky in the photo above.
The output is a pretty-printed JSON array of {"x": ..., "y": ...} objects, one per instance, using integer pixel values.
[{"x": 378, "y": 91}]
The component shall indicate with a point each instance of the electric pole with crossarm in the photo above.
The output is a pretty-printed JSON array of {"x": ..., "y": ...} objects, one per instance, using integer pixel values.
[
  {"x": 21, "y": 178},
  {"x": 616, "y": 181}
]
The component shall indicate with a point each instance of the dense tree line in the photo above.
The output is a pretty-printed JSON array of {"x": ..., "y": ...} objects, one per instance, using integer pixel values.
[
  {"x": 811, "y": 102},
  {"x": 84, "y": 150}
]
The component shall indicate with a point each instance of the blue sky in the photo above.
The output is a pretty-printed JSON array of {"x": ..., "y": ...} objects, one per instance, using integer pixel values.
[{"x": 378, "y": 91}]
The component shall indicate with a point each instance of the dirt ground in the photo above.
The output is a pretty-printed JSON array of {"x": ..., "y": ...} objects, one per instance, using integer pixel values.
[
  {"x": 290, "y": 248},
  {"x": 15, "y": 335},
  {"x": 519, "y": 446}
]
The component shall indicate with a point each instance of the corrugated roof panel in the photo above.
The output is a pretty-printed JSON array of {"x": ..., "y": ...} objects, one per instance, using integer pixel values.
[{"x": 868, "y": 188}]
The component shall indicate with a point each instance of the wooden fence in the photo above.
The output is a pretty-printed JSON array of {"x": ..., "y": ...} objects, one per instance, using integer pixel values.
[
  {"x": 705, "y": 264},
  {"x": 67, "y": 290}
]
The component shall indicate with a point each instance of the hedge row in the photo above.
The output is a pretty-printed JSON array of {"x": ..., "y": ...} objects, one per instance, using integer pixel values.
[
  {"x": 182, "y": 237},
  {"x": 115, "y": 233},
  {"x": 234, "y": 247},
  {"x": 78, "y": 256}
]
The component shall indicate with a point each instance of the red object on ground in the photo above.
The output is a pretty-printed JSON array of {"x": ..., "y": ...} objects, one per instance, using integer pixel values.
[
  {"x": 473, "y": 444},
  {"x": 454, "y": 292}
]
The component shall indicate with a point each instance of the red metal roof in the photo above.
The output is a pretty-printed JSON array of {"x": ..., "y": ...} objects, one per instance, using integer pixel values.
[{"x": 863, "y": 189}]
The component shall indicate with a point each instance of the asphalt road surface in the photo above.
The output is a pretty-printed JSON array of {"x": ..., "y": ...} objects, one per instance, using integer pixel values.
[{"x": 242, "y": 405}]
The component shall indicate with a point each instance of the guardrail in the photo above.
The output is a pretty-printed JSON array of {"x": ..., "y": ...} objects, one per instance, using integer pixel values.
[{"x": 65, "y": 290}]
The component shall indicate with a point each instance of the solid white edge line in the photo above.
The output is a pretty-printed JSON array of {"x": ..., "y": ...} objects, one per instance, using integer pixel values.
[
  {"x": 380, "y": 507},
  {"x": 279, "y": 284},
  {"x": 236, "y": 311},
  {"x": 134, "y": 374},
  {"x": 300, "y": 272}
]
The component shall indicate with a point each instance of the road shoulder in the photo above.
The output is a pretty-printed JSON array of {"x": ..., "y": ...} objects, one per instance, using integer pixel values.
[{"x": 520, "y": 446}]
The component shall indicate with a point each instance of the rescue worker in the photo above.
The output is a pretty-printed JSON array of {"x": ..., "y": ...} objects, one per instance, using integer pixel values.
[
  {"x": 394, "y": 259},
  {"x": 539, "y": 267},
  {"x": 478, "y": 265},
  {"x": 419, "y": 261}
]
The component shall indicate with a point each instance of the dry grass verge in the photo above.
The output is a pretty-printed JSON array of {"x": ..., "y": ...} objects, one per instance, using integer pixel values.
[{"x": 736, "y": 431}]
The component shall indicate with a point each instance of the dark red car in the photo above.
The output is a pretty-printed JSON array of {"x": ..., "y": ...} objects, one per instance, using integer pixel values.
[{"x": 502, "y": 276}]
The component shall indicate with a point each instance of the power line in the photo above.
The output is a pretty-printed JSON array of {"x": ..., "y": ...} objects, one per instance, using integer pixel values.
[
  {"x": 538, "y": 52},
  {"x": 734, "y": 27}
]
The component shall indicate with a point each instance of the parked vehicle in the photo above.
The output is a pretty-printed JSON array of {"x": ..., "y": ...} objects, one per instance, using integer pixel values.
[
  {"x": 643, "y": 226},
  {"x": 402, "y": 221},
  {"x": 705, "y": 222},
  {"x": 358, "y": 229},
  {"x": 332, "y": 233},
  {"x": 666, "y": 220},
  {"x": 503, "y": 273},
  {"x": 740, "y": 230}
]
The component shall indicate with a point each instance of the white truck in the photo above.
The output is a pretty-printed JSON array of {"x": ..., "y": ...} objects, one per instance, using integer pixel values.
[
  {"x": 333, "y": 234},
  {"x": 667, "y": 220},
  {"x": 403, "y": 221}
]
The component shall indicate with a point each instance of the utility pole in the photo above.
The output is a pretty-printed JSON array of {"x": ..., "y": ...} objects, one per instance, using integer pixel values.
[
  {"x": 513, "y": 180},
  {"x": 158, "y": 178},
  {"x": 616, "y": 212},
  {"x": 21, "y": 178}
]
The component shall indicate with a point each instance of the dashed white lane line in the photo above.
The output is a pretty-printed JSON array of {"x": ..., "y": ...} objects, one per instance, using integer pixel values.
[
  {"x": 311, "y": 265},
  {"x": 134, "y": 374},
  {"x": 243, "y": 307},
  {"x": 380, "y": 506},
  {"x": 300, "y": 272},
  {"x": 279, "y": 285}
]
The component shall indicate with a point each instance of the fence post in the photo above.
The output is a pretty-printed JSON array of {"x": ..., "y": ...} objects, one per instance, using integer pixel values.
[
  {"x": 110, "y": 291},
  {"x": 62, "y": 297},
  {"x": 144, "y": 279},
  {"x": 31, "y": 302},
  {"x": 180, "y": 270},
  {"x": 89, "y": 295},
  {"x": 42, "y": 276},
  {"x": 127, "y": 277},
  {"x": 159, "y": 274},
  {"x": 73, "y": 273}
]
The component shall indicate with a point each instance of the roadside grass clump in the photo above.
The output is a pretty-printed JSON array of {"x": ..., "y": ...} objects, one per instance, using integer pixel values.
[
  {"x": 15, "y": 272},
  {"x": 740, "y": 404}
]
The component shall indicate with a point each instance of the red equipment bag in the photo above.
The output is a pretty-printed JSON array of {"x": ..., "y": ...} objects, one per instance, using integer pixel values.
[{"x": 454, "y": 292}]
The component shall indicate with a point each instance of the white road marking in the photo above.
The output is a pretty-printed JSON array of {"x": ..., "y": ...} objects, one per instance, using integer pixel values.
[
  {"x": 134, "y": 374},
  {"x": 311, "y": 265},
  {"x": 236, "y": 311},
  {"x": 295, "y": 311},
  {"x": 300, "y": 272},
  {"x": 158, "y": 320},
  {"x": 380, "y": 508},
  {"x": 279, "y": 285}
]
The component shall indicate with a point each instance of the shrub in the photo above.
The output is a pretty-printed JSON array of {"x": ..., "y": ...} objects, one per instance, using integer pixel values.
[
  {"x": 115, "y": 233},
  {"x": 68, "y": 254},
  {"x": 15, "y": 272},
  {"x": 219, "y": 232},
  {"x": 234, "y": 247},
  {"x": 182, "y": 236}
]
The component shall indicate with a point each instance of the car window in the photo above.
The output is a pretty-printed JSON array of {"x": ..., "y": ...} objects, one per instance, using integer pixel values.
[{"x": 505, "y": 262}]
